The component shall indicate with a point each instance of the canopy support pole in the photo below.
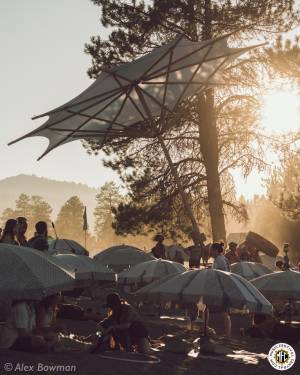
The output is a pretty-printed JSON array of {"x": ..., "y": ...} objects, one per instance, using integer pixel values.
[{"x": 196, "y": 235}]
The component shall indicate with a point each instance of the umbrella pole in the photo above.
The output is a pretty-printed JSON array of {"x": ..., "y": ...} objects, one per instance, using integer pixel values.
[
  {"x": 205, "y": 320},
  {"x": 183, "y": 194}
]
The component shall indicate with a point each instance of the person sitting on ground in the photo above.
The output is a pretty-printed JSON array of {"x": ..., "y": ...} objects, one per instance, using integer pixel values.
[
  {"x": 231, "y": 254},
  {"x": 264, "y": 326},
  {"x": 124, "y": 326},
  {"x": 10, "y": 232},
  {"x": 159, "y": 250},
  {"x": 19, "y": 331},
  {"x": 39, "y": 242},
  {"x": 216, "y": 252},
  {"x": 46, "y": 311},
  {"x": 22, "y": 228}
]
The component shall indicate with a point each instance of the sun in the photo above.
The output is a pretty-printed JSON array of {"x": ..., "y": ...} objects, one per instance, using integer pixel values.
[{"x": 281, "y": 111}]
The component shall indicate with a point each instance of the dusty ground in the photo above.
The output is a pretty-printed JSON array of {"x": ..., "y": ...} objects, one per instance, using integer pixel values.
[{"x": 173, "y": 359}]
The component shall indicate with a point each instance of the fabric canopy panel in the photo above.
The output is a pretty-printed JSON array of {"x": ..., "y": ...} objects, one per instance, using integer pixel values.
[
  {"x": 212, "y": 288},
  {"x": 121, "y": 100},
  {"x": 147, "y": 272},
  {"x": 249, "y": 270},
  {"x": 28, "y": 274}
]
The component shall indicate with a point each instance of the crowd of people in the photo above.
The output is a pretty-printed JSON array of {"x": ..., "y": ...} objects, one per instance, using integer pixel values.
[
  {"x": 14, "y": 233},
  {"x": 222, "y": 259}
]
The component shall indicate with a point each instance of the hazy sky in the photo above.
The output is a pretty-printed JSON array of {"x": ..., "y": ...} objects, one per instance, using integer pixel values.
[{"x": 43, "y": 66}]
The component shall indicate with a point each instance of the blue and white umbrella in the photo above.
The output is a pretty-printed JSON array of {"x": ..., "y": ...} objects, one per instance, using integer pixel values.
[
  {"x": 212, "y": 288},
  {"x": 149, "y": 271}
]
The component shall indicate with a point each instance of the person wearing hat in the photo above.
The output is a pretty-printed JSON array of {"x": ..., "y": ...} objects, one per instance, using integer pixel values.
[
  {"x": 231, "y": 253},
  {"x": 159, "y": 250},
  {"x": 124, "y": 325}
]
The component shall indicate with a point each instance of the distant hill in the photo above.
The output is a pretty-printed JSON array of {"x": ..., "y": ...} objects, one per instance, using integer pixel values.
[{"x": 56, "y": 193}]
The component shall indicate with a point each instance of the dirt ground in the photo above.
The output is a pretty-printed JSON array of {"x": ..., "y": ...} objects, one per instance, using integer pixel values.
[{"x": 171, "y": 343}]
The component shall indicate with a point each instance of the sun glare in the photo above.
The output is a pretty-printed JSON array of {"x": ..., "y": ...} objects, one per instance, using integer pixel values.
[{"x": 281, "y": 111}]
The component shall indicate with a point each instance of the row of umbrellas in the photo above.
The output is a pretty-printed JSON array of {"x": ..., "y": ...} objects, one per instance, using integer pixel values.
[
  {"x": 30, "y": 274},
  {"x": 42, "y": 275}
]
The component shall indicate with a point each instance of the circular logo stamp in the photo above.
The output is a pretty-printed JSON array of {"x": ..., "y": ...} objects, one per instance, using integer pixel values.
[{"x": 282, "y": 356}]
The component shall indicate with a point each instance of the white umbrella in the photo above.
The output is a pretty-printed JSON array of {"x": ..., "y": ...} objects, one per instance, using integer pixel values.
[
  {"x": 64, "y": 246},
  {"x": 121, "y": 257},
  {"x": 85, "y": 267},
  {"x": 149, "y": 271},
  {"x": 279, "y": 285},
  {"x": 27, "y": 274},
  {"x": 213, "y": 288},
  {"x": 249, "y": 270}
]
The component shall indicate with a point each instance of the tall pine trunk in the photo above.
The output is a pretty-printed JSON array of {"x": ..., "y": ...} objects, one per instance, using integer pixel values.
[{"x": 208, "y": 139}]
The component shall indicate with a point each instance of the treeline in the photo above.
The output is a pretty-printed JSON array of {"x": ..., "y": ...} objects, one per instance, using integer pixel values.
[{"x": 69, "y": 221}]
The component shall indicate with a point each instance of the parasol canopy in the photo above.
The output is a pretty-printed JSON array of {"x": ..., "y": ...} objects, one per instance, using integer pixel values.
[
  {"x": 279, "y": 285},
  {"x": 149, "y": 271},
  {"x": 213, "y": 288},
  {"x": 120, "y": 257},
  {"x": 63, "y": 246},
  {"x": 249, "y": 270},
  {"x": 27, "y": 274},
  {"x": 124, "y": 98},
  {"x": 85, "y": 268}
]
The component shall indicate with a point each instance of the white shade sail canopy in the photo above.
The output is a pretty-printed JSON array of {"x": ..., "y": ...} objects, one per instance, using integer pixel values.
[
  {"x": 28, "y": 274},
  {"x": 249, "y": 270},
  {"x": 122, "y": 99},
  {"x": 147, "y": 272},
  {"x": 85, "y": 267},
  {"x": 64, "y": 246},
  {"x": 213, "y": 288},
  {"x": 279, "y": 285}
]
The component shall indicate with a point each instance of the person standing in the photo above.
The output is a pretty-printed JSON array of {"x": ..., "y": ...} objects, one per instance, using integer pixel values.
[
  {"x": 18, "y": 332},
  {"x": 10, "y": 232},
  {"x": 159, "y": 250},
  {"x": 231, "y": 254},
  {"x": 40, "y": 242},
  {"x": 22, "y": 228},
  {"x": 220, "y": 262}
]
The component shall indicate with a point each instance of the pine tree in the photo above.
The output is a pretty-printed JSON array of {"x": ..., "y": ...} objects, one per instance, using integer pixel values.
[
  {"x": 69, "y": 223},
  {"x": 223, "y": 120},
  {"x": 40, "y": 210},
  {"x": 7, "y": 214},
  {"x": 107, "y": 199},
  {"x": 23, "y": 206}
]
